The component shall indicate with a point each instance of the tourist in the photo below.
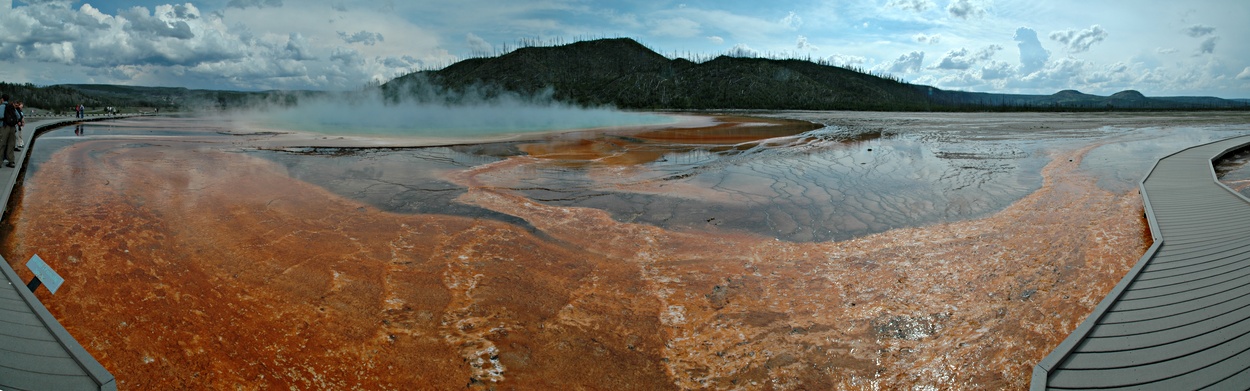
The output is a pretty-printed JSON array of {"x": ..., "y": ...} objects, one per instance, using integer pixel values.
[
  {"x": 21, "y": 121},
  {"x": 9, "y": 131}
]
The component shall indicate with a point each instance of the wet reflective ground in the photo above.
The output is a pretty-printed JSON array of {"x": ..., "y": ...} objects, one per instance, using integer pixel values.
[{"x": 884, "y": 251}]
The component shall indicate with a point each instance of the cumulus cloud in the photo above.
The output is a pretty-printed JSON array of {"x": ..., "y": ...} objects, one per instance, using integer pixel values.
[
  {"x": 933, "y": 39},
  {"x": 297, "y": 48},
  {"x": 165, "y": 24},
  {"x": 716, "y": 39},
  {"x": 363, "y": 37},
  {"x": 911, "y": 5},
  {"x": 910, "y": 62},
  {"x": 1199, "y": 31},
  {"x": 1032, "y": 55},
  {"x": 742, "y": 50},
  {"x": 997, "y": 70},
  {"x": 1244, "y": 75},
  {"x": 846, "y": 60},
  {"x": 965, "y": 9},
  {"x": 1079, "y": 41},
  {"x": 803, "y": 44},
  {"x": 1063, "y": 73},
  {"x": 266, "y": 46},
  {"x": 964, "y": 59}
]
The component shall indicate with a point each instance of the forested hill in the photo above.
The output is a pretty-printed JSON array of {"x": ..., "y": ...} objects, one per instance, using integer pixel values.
[
  {"x": 626, "y": 74},
  {"x": 54, "y": 97}
]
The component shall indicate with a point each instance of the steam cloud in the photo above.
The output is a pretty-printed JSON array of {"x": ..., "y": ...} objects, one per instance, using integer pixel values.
[{"x": 421, "y": 112}]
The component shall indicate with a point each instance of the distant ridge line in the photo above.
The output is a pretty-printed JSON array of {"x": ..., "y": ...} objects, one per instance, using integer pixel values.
[{"x": 625, "y": 73}]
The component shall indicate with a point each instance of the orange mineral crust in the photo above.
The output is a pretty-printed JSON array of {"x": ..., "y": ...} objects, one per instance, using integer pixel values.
[{"x": 191, "y": 266}]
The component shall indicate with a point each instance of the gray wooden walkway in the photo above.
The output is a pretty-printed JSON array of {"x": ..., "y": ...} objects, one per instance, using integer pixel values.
[
  {"x": 36, "y": 352},
  {"x": 1180, "y": 319}
]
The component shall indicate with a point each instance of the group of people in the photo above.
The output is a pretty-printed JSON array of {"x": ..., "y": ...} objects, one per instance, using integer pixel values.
[{"x": 10, "y": 131}]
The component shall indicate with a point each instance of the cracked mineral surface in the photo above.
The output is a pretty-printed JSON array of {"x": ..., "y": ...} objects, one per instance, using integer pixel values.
[{"x": 869, "y": 251}]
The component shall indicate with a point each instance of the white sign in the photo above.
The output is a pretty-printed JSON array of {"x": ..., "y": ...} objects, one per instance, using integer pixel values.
[{"x": 45, "y": 273}]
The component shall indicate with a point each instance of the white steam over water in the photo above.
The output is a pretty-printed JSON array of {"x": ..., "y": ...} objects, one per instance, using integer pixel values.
[{"x": 369, "y": 115}]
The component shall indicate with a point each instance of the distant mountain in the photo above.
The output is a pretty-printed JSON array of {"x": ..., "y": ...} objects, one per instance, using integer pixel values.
[{"x": 624, "y": 73}]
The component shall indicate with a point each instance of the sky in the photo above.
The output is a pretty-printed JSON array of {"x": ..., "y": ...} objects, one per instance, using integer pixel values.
[{"x": 1161, "y": 48}]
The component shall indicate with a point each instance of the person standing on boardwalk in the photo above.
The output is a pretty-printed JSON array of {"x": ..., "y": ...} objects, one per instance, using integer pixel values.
[
  {"x": 21, "y": 121},
  {"x": 9, "y": 130}
]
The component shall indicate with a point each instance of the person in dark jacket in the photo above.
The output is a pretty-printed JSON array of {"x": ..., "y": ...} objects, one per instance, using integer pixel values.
[{"x": 8, "y": 132}]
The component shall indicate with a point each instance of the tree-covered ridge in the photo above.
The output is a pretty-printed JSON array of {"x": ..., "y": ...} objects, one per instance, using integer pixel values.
[{"x": 627, "y": 74}]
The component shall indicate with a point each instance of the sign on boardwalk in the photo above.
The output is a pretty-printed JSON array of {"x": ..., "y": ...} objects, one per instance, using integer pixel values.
[{"x": 44, "y": 273}]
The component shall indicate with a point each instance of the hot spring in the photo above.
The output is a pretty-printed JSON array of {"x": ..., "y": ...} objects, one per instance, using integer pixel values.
[{"x": 308, "y": 249}]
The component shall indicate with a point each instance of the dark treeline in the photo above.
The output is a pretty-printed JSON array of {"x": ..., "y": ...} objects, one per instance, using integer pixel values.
[
  {"x": 48, "y": 98},
  {"x": 97, "y": 96}
]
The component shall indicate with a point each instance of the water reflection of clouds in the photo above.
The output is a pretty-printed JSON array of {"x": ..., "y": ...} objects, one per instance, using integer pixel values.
[
  {"x": 1127, "y": 155},
  {"x": 830, "y": 183}
]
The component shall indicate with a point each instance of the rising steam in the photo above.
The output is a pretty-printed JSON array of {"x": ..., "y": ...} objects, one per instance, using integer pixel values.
[{"x": 419, "y": 111}]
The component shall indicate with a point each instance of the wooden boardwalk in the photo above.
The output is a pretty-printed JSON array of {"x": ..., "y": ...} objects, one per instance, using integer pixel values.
[
  {"x": 1180, "y": 319},
  {"x": 36, "y": 352}
]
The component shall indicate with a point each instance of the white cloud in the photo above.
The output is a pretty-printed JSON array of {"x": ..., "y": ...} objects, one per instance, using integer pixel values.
[
  {"x": 792, "y": 21},
  {"x": 910, "y": 62},
  {"x": 803, "y": 44},
  {"x": 1244, "y": 75},
  {"x": 1079, "y": 41},
  {"x": 911, "y": 5},
  {"x": 932, "y": 39},
  {"x": 997, "y": 70},
  {"x": 1032, "y": 55},
  {"x": 965, "y": 9},
  {"x": 1198, "y": 30},
  {"x": 964, "y": 59},
  {"x": 742, "y": 50},
  {"x": 715, "y": 39},
  {"x": 845, "y": 60},
  {"x": 1063, "y": 73}
]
